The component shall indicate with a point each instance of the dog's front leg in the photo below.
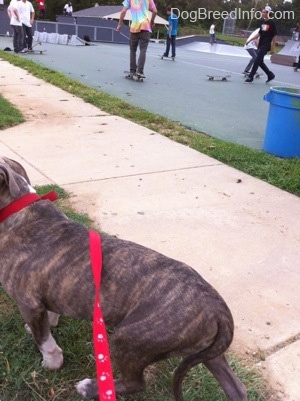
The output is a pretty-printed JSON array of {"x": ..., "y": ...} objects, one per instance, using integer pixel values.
[{"x": 38, "y": 323}]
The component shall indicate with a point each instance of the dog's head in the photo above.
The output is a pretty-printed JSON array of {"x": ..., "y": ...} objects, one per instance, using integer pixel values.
[{"x": 14, "y": 181}]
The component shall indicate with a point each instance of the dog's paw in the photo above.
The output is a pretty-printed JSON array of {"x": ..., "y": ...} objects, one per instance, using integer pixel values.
[
  {"x": 53, "y": 360},
  {"x": 87, "y": 388},
  {"x": 52, "y": 354}
]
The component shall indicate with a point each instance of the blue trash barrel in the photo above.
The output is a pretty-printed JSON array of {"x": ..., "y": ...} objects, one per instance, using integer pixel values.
[{"x": 282, "y": 135}]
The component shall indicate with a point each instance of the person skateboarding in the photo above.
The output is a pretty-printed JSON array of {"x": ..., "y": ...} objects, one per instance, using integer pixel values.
[
  {"x": 172, "y": 33},
  {"x": 140, "y": 31}
]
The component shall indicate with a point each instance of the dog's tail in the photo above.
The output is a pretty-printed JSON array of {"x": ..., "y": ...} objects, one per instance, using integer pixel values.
[{"x": 220, "y": 344}]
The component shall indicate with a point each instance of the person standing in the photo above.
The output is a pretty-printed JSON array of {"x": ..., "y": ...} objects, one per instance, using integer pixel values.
[
  {"x": 140, "y": 31},
  {"x": 212, "y": 33},
  {"x": 27, "y": 18},
  {"x": 172, "y": 33},
  {"x": 267, "y": 39},
  {"x": 42, "y": 8},
  {"x": 13, "y": 12},
  {"x": 68, "y": 9}
]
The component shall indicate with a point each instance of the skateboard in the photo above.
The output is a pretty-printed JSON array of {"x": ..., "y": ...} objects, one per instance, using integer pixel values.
[
  {"x": 133, "y": 77},
  {"x": 166, "y": 58},
  {"x": 41, "y": 51},
  {"x": 35, "y": 51},
  {"x": 218, "y": 77}
]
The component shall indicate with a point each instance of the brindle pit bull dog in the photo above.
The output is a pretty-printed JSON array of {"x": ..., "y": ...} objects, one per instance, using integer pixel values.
[{"x": 159, "y": 307}]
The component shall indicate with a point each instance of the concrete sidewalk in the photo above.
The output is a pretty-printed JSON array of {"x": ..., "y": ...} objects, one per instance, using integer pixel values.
[{"x": 240, "y": 233}]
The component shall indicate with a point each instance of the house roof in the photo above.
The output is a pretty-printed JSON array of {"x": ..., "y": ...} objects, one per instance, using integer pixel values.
[
  {"x": 112, "y": 12},
  {"x": 158, "y": 20},
  {"x": 97, "y": 11}
]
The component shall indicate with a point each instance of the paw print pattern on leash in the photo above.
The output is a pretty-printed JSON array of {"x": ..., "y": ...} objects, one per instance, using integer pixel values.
[{"x": 102, "y": 357}]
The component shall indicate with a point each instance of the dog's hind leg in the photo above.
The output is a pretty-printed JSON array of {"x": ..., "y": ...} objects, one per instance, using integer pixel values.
[
  {"x": 231, "y": 385},
  {"x": 131, "y": 378},
  {"x": 87, "y": 388},
  {"x": 130, "y": 358}
]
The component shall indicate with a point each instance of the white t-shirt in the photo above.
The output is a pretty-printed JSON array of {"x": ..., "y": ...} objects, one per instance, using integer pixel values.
[
  {"x": 26, "y": 8},
  {"x": 14, "y": 5},
  {"x": 212, "y": 29},
  {"x": 68, "y": 9},
  {"x": 251, "y": 45}
]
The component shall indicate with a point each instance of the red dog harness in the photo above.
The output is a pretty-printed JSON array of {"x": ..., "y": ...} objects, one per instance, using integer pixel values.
[{"x": 105, "y": 379}]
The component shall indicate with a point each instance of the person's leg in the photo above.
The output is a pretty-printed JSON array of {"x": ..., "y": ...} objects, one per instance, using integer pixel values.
[
  {"x": 29, "y": 37},
  {"x": 252, "y": 53},
  {"x": 20, "y": 39},
  {"x": 173, "y": 43},
  {"x": 24, "y": 37},
  {"x": 134, "y": 41},
  {"x": 15, "y": 39},
  {"x": 144, "y": 41},
  {"x": 259, "y": 62},
  {"x": 166, "y": 53}
]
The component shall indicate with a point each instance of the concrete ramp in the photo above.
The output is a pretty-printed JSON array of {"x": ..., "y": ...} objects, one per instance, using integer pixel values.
[
  {"x": 216, "y": 48},
  {"x": 288, "y": 54}
]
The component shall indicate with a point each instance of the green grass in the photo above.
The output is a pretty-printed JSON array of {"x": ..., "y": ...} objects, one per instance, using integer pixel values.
[
  {"x": 282, "y": 173},
  {"x": 9, "y": 116},
  {"x": 22, "y": 377}
]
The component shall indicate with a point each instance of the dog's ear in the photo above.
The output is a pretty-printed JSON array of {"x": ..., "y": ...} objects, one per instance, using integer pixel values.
[
  {"x": 7, "y": 178},
  {"x": 17, "y": 167}
]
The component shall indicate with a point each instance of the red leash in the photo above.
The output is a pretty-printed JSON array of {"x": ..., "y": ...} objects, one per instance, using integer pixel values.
[{"x": 105, "y": 378}]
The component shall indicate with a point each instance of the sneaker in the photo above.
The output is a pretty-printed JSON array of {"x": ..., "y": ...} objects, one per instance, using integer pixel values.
[
  {"x": 140, "y": 75},
  {"x": 246, "y": 72},
  {"x": 130, "y": 75},
  {"x": 270, "y": 77},
  {"x": 248, "y": 81},
  {"x": 23, "y": 51}
]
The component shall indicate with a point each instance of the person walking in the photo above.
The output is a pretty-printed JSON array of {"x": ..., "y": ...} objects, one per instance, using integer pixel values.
[
  {"x": 140, "y": 31},
  {"x": 27, "y": 18},
  {"x": 251, "y": 48},
  {"x": 297, "y": 65},
  {"x": 13, "y": 12},
  {"x": 267, "y": 39},
  {"x": 172, "y": 33}
]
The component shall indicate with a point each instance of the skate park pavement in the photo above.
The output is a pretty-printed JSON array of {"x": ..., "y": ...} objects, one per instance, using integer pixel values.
[
  {"x": 238, "y": 232},
  {"x": 179, "y": 90}
]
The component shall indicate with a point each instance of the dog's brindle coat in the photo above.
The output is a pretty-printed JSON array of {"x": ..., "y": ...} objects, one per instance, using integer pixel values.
[{"x": 159, "y": 307}]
